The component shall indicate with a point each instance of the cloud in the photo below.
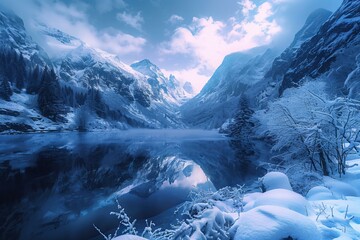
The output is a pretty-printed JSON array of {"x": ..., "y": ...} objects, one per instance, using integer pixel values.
[
  {"x": 134, "y": 21},
  {"x": 121, "y": 43},
  {"x": 105, "y": 6},
  {"x": 246, "y": 7},
  {"x": 208, "y": 41},
  {"x": 174, "y": 19},
  {"x": 73, "y": 19}
]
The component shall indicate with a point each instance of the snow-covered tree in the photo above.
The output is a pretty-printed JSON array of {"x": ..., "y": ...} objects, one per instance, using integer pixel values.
[
  {"x": 305, "y": 123},
  {"x": 82, "y": 118}
]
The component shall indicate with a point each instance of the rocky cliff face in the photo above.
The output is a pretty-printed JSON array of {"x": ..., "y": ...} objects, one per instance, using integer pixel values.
[
  {"x": 282, "y": 63},
  {"x": 14, "y": 36},
  {"x": 218, "y": 99},
  {"x": 331, "y": 53}
]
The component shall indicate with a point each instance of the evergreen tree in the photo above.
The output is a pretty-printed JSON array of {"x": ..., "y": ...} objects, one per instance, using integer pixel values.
[
  {"x": 242, "y": 120},
  {"x": 20, "y": 72},
  {"x": 241, "y": 129},
  {"x": 95, "y": 103},
  {"x": 33, "y": 85},
  {"x": 49, "y": 99},
  {"x": 5, "y": 89}
]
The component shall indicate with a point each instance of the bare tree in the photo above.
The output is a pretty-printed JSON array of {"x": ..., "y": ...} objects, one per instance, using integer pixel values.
[{"x": 307, "y": 123}]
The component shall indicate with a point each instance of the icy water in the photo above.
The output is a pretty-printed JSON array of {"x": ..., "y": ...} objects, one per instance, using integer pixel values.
[{"x": 57, "y": 185}]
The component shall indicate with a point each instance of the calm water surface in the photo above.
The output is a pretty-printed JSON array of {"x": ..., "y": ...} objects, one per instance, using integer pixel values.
[{"x": 57, "y": 185}]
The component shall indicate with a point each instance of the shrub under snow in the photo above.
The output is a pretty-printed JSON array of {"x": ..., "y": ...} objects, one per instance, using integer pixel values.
[
  {"x": 275, "y": 180},
  {"x": 278, "y": 213}
]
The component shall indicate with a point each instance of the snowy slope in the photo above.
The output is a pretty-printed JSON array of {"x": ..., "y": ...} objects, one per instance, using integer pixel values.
[
  {"x": 311, "y": 27},
  {"x": 218, "y": 99},
  {"x": 281, "y": 64},
  {"x": 168, "y": 88},
  {"x": 123, "y": 88},
  {"x": 331, "y": 53},
  {"x": 128, "y": 98},
  {"x": 21, "y": 115},
  {"x": 14, "y": 36}
]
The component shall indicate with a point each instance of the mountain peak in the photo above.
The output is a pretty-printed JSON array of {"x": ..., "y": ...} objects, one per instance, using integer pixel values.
[
  {"x": 145, "y": 62},
  {"x": 148, "y": 68},
  {"x": 317, "y": 13},
  {"x": 334, "y": 46},
  {"x": 311, "y": 26}
]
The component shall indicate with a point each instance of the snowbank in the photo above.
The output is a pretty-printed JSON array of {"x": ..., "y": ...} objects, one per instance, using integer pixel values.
[
  {"x": 319, "y": 193},
  {"x": 273, "y": 222},
  {"x": 281, "y": 198},
  {"x": 328, "y": 212}
]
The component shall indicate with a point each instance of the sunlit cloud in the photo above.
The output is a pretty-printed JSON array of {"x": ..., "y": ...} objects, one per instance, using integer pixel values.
[
  {"x": 207, "y": 40},
  {"x": 246, "y": 7}
]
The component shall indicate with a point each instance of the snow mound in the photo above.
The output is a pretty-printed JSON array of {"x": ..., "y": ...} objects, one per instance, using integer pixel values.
[
  {"x": 275, "y": 180},
  {"x": 319, "y": 193},
  {"x": 340, "y": 188},
  {"x": 281, "y": 198},
  {"x": 273, "y": 222}
]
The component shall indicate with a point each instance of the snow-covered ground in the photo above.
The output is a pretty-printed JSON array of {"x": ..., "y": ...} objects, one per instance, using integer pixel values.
[{"x": 329, "y": 211}]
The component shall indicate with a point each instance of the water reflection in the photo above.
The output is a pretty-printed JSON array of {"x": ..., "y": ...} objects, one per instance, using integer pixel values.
[{"x": 56, "y": 186}]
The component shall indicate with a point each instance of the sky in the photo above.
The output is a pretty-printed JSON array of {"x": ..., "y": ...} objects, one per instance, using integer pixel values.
[{"x": 187, "y": 38}]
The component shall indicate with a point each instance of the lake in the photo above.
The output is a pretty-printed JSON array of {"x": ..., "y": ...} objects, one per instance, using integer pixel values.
[{"x": 57, "y": 185}]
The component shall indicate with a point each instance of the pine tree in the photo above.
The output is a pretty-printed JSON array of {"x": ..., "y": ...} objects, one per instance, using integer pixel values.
[
  {"x": 33, "y": 85},
  {"x": 5, "y": 89},
  {"x": 242, "y": 120},
  {"x": 49, "y": 100},
  {"x": 20, "y": 72},
  {"x": 95, "y": 102},
  {"x": 241, "y": 129}
]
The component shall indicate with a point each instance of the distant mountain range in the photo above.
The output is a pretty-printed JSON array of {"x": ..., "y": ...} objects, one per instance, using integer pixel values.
[
  {"x": 139, "y": 95},
  {"x": 95, "y": 90}
]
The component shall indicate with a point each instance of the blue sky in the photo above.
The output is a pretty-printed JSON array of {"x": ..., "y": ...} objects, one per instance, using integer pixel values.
[{"x": 189, "y": 38}]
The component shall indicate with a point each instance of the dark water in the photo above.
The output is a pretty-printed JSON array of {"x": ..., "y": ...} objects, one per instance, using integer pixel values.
[{"x": 56, "y": 186}]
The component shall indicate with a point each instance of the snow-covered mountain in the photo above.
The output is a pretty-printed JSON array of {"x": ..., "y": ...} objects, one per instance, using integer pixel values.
[
  {"x": 140, "y": 92},
  {"x": 280, "y": 66},
  {"x": 218, "y": 99},
  {"x": 163, "y": 87},
  {"x": 113, "y": 93},
  {"x": 282, "y": 63},
  {"x": 331, "y": 54},
  {"x": 256, "y": 73},
  {"x": 14, "y": 36}
]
